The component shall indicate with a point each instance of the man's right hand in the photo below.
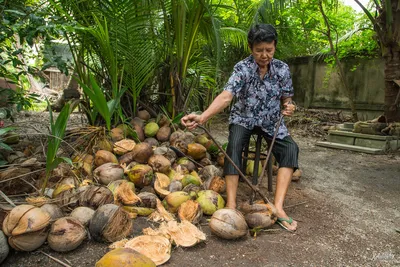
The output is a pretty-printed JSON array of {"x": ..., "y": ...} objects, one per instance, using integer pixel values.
[{"x": 191, "y": 121}]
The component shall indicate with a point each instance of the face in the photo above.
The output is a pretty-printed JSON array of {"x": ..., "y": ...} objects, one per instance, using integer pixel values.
[{"x": 263, "y": 53}]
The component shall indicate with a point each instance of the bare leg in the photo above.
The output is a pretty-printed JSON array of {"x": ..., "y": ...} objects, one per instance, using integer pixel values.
[
  {"x": 283, "y": 180},
  {"x": 231, "y": 189}
]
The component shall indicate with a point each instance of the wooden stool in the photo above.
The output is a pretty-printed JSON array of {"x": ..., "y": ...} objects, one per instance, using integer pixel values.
[{"x": 258, "y": 136}]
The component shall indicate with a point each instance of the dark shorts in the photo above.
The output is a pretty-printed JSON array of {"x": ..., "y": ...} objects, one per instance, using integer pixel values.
[{"x": 285, "y": 151}]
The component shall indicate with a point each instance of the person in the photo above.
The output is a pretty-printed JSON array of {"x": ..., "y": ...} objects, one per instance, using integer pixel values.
[{"x": 261, "y": 85}]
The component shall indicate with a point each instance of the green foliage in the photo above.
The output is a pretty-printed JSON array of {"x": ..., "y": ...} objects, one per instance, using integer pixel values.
[{"x": 3, "y": 132}]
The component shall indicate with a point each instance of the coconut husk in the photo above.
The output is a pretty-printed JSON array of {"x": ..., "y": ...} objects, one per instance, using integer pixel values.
[
  {"x": 166, "y": 152},
  {"x": 190, "y": 211},
  {"x": 161, "y": 214},
  {"x": 37, "y": 201},
  {"x": 173, "y": 200},
  {"x": 142, "y": 152},
  {"x": 174, "y": 186},
  {"x": 141, "y": 175},
  {"x": 124, "y": 193},
  {"x": 216, "y": 184},
  {"x": 123, "y": 146},
  {"x": 259, "y": 215},
  {"x": 66, "y": 234},
  {"x": 196, "y": 151},
  {"x": 210, "y": 171},
  {"x": 228, "y": 224},
  {"x": 95, "y": 196},
  {"x": 125, "y": 257},
  {"x": 157, "y": 248},
  {"x": 29, "y": 241},
  {"x": 4, "y": 249},
  {"x": 161, "y": 184},
  {"x": 118, "y": 244},
  {"x": 53, "y": 210},
  {"x": 210, "y": 201},
  {"x": 16, "y": 186},
  {"x": 183, "y": 234},
  {"x": 103, "y": 156},
  {"x": 141, "y": 211},
  {"x": 108, "y": 173},
  {"x": 159, "y": 163}
]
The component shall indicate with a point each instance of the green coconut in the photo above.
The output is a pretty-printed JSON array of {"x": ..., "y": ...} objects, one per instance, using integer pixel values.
[
  {"x": 250, "y": 168},
  {"x": 196, "y": 151},
  {"x": 173, "y": 200},
  {"x": 210, "y": 201},
  {"x": 151, "y": 129},
  {"x": 125, "y": 257},
  {"x": 141, "y": 175},
  {"x": 190, "y": 179}
]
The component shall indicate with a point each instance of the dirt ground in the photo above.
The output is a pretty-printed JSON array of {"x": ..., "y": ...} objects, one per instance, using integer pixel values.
[{"x": 347, "y": 205}]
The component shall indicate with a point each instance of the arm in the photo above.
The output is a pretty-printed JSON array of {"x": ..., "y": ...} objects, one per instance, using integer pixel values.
[{"x": 220, "y": 102}]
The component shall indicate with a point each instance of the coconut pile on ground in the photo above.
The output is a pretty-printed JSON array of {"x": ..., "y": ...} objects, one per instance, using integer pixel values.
[{"x": 146, "y": 168}]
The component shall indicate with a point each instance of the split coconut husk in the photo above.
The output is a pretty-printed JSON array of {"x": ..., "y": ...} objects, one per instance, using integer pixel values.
[
  {"x": 191, "y": 211},
  {"x": 173, "y": 200},
  {"x": 108, "y": 173},
  {"x": 94, "y": 196},
  {"x": 157, "y": 248},
  {"x": 159, "y": 163},
  {"x": 66, "y": 234},
  {"x": 125, "y": 257},
  {"x": 161, "y": 214},
  {"x": 124, "y": 193},
  {"x": 228, "y": 224},
  {"x": 83, "y": 214},
  {"x": 110, "y": 223},
  {"x": 4, "y": 249},
  {"x": 102, "y": 156},
  {"x": 259, "y": 215},
  {"x": 210, "y": 201},
  {"x": 161, "y": 184},
  {"x": 27, "y": 227},
  {"x": 141, "y": 175},
  {"x": 216, "y": 184},
  {"x": 124, "y": 146}
]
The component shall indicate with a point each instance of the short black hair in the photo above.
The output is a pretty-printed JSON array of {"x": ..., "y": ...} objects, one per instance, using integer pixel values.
[{"x": 262, "y": 33}]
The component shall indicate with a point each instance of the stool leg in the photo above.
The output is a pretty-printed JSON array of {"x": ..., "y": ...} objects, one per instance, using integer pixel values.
[{"x": 257, "y": 159}]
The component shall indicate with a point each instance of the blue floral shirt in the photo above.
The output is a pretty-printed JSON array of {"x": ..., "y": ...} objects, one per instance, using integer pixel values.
[{"x": 259, "y": 100}]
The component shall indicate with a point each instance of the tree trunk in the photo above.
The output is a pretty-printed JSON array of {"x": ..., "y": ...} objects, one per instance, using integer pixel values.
[{"x": 392, "y": 89}]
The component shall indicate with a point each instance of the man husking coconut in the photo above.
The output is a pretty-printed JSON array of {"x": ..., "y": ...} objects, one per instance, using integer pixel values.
[{"x": 261, "y": 84}]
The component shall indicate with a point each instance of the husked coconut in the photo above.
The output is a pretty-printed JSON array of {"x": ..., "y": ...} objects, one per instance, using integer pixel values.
[
  {"x": 125, "y": 257},
  {"x": 108, "y": 173},
  {"x": 103, "y": 156},
  {"x": 144, "y": 115},
  {"x": 66, "y": 234},
  {"x": 228, "y": 224},
  {"x": 142, "y": 152},
  {"x": 151, "y": 141},
  {"x": 163, "y": 134},
  {"x": 53, "y": 210},
  {"x": 159, "y": 163},
  {"x": 157, "y": 248},
  {"x": 83, "y": 214}
]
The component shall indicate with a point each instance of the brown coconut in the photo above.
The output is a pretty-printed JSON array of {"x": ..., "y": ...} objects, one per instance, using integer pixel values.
[
  {"x": 27, "y": 227},
  {"x": 228, "y": 224},
  {"x": 159, "y": 163},
  {"x": 66, "y": 234},
  {"x": 123, "y": 146},
  {"x": 148, "y": 200},
  {"x": 137, "y": 121},
  {"x": 108, "y": 173},
  {"x": 125, "y": 257},
  {"x": 142, "y": 152},
  {"x": 110, "y": 223},
  {"x": 196, "y": 151},
  {"x": 163, "y": 134},
  {"x": 157, "y": 248},
  {"x": 259, "y": 215},
  {"x": 141, "y": 175},
  {"x": 104, "y": 144},
  {"x": 166, "y": 152},
  {"x": 127, "y": 158},
  {"x": 221, "y": 159},
  {"x": 175, "y": 185},
  {"x": 83, "y": 214},
  {"x": 186, "y": 164},
  {"x": 164, "y": 121},
  {"x": 190, "y": 211},
  {"x": 53, "y": 210},
  {"x": 139, "y": 131},
  {"x": 117, "y": 134},
  {"x": 210, "y": 171},
  {"x": 94, "y": 196},
  {"x": 173, "y": 200},
  {"x": 151, "y": 141},
  {"x": 103, "y": 156},
  {"x": 144, "y": 115}
]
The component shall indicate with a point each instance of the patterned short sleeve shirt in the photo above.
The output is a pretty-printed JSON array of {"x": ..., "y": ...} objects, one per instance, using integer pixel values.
[{"x": 258, "y": 100}]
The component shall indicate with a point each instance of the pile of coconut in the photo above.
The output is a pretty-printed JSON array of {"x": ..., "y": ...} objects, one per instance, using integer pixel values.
[{"x": 147, "y": 168}]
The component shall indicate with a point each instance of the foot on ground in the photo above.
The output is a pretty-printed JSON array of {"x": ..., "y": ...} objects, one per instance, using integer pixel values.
[{"x": 286, "y": 222}]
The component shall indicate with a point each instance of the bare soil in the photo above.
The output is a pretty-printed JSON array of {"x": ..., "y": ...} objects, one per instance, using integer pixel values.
[{"x": 347, "y": 205}]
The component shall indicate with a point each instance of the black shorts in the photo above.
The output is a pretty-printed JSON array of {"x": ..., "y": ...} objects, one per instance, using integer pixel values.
[{"x": 285, "y": 151}]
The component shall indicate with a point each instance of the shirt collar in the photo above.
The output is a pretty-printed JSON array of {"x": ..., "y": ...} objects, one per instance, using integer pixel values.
[{"x": 255, "y": 67}]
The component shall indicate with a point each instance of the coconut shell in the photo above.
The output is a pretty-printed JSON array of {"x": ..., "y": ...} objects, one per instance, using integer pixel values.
[
  {"x": 161, "y": 184},
  {"x": 110, "y": 223},
  {"x": 196, "y": 151},
  {"x": 157, "y": 248},
  {"x": 125, "y": 257},
  {"x": 4, "y": 249},
  {"x": 66, "y": 234},
  {"x": 163, "y": 134},
  {"x": 103, "y": 156},
  {"x": 142, "y": 152},
  {"x": 190, "y": 211},
  {"x": 141, "y": 175},
  {"x": 108, "y": 173},
  {"x": 144, "y": 115},
  {"x": 29, "y": 241},
  {"x": 228, "y": 224},
  {"x": 83, "y": 214},
  {"x": 94, "y": 196},
  {"x": 53, "y": 210},
  {"x": 159, "y": 163},
  {"x": 123, "y": 146},
  {"x": 210, "y": 201}
]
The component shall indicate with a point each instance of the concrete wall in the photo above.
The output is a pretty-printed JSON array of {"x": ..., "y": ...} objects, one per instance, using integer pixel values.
[{"x": 317, "y": 86}]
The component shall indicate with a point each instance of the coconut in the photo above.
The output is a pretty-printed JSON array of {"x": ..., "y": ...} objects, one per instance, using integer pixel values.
[
  {"x": 148, "y": 200},
  {"x": 127, "y": 158},
  {"x": 166, "y": 152},
  {"x": 192, "y": 189},
  {"x": 186, "y": 164},
  {"x": 144, "y": 115},
  {"x": 151, "y": 129},
  {"x": 161, "y": 185},
  {"x": 139, "y": 132},
  {"x": 103, "y": 156},
  {"x": 210, "y": 201},
  {"x": 163, "y": 134},
  {"x": 216, "y": 184},
  {"x": 205, "y": 161},
  {"x": 141, "y": 211},
  {"x": 151, "y": 141},
  {"x": 94, "y": 196},
  {"x": 297, "y": 175},
  {"x": 191, "y": 211},
  {"x": 196, "y": 151},
  {"x": 4, "y": 249},
  {"x": 127, "y": 130},
  {"x": 175, "y": 186},
  {"x": 137, "y": 121},
  {"x": 110, "y": 223},
  {"x": 123, "y": 146},
  {"x": 108, "y": 173},
  {"x": 141, "y": 175},
  {"x": 157, "y": 248},
  {"x": 190, "y": 179},
  {"x": 173, "y": 200},
  {"x": 104, "y": 144},
  {"x": 117, "y": 134},
  {"x": 142, "y": 152},
  {"x": 221, "y": 159},
  {"x": 83, "y": 214},
  {"x": 259, "y": 215},
  {"x": 163, "y": 120},
  {"x": 124, "y": 192},
  {"x": 53, "y": 210},
  {"x": 250, "y": 168},
  {"x": 209, "y": 171},
  {"x": 159, "y": 163},
  {"x": 125, "y": 257},
  {"x": 66, "y": 234},
  {"x": 228, "y": 224},
  {"x": 26, "y": 227}
]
